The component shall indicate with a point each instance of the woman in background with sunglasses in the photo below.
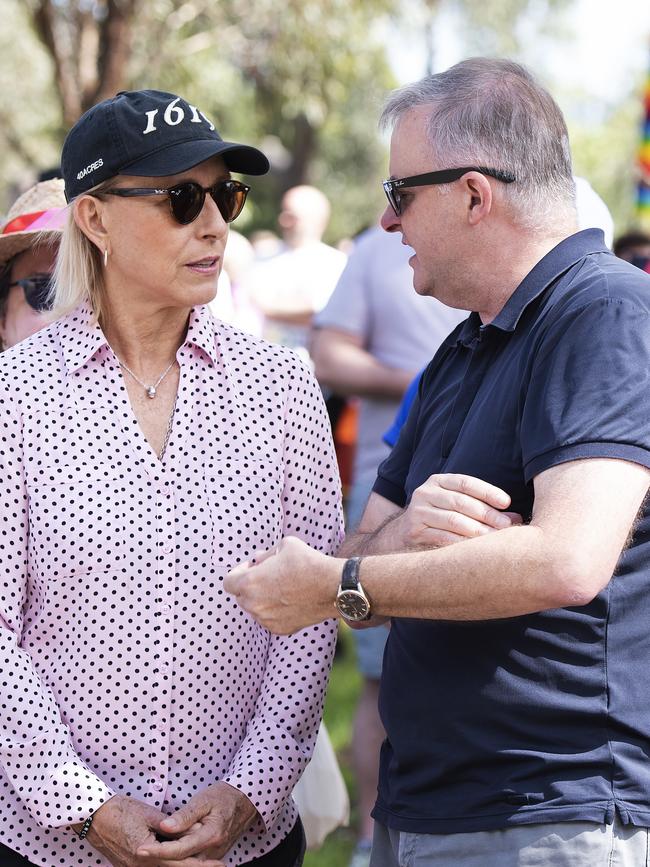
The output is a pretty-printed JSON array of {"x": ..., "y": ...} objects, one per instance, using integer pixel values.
[
  {"x": 29, "y": 240},
  {"x": 146, "y": 449}
]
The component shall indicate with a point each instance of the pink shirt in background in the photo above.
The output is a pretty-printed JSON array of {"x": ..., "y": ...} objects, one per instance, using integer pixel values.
[{"x": 126, "y": 667}]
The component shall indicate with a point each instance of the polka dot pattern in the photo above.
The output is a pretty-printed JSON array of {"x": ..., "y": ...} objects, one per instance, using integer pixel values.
[{"x": 126, "y": 668}]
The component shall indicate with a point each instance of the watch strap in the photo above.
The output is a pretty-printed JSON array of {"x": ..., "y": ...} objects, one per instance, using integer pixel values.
[{"x": 350, "y": 576}]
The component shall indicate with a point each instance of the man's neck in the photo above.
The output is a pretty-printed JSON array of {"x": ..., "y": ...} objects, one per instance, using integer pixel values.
[{"x": 516, "y": 256}]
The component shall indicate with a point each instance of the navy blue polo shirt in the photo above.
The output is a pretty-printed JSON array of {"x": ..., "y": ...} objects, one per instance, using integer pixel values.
[{"x": 545, "y": 717}]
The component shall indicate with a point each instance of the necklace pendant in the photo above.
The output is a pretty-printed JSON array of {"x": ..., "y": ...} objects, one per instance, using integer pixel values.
[{"x": 151, "y": 391}]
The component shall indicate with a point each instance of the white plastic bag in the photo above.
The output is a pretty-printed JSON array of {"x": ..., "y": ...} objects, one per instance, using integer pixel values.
[{"x": 320, "y": 794}]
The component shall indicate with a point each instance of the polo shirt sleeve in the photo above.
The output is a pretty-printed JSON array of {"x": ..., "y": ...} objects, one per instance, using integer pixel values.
[
  {"x": 588, "y": 394},
  {"x": 348, "y": 308},
  {"x": 393, "y": 471}
]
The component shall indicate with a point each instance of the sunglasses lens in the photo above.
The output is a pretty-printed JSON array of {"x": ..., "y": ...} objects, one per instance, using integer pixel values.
[
  {"x": 36, "y": 290},
  {"x": 393, "y": 197},
  {"x": 186, "y": 201},
  {"x": 230, "y": 197}
]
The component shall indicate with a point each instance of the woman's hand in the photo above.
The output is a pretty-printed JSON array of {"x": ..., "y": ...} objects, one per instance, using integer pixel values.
[
  {"x": 120, "y": 827},
  {"x": 206, "y": 827}
]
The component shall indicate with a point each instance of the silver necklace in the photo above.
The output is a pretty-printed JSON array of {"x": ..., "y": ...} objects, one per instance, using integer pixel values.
[
  {"x": 170, "y": 424},
  {"x": 150, "y": 390}
]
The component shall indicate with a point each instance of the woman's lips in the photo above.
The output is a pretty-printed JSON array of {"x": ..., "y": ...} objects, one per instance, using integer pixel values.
[{"x": 209, "y": 265}]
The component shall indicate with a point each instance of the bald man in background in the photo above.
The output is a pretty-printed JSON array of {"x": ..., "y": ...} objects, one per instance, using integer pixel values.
[{"x": 292, "y": 286}]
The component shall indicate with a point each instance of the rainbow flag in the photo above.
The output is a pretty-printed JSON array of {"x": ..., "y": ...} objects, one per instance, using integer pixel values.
[{"x": 643, "y": 161}]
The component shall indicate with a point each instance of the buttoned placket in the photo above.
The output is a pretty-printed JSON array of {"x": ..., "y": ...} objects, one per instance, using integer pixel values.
[
  {"x": 163, "y": 496},
  {"x": 479, "y": 348}
]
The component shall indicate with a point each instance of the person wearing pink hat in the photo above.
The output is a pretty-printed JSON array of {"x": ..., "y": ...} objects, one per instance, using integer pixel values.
[{"x": 29, "y": 240}]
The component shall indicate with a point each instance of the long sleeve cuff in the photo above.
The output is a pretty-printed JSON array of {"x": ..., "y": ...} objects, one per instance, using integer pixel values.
[
  {"x": 266, "y": 768},
  {"x": 54, "y": 784}
]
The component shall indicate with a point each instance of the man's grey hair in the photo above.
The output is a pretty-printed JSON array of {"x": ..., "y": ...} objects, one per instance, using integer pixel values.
[{"x": 494, "y": 113}]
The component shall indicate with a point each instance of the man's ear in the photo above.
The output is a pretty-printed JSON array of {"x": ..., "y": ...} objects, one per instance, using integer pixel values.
[
  {"x": 479, "y": 197},
  {"x": 90, "y": 218}
]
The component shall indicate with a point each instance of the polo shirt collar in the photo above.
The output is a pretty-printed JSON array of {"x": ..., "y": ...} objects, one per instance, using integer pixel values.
[
  {"x": 555, "y": 263},
  {"x": 81, "y": 337}
]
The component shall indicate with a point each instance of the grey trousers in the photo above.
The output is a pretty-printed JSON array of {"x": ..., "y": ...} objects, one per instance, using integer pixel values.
[{"x": 566, "y": 844}]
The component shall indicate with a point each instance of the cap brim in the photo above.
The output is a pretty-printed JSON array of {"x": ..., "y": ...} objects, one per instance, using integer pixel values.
[{"x": 182, "y": 156}]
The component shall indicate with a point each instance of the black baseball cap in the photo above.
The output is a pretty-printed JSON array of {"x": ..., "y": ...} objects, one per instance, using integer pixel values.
[{"x": 149, "y": 133}]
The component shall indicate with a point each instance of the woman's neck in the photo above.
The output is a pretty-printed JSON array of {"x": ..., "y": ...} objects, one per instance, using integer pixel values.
[{"x": 145, "y": 340}]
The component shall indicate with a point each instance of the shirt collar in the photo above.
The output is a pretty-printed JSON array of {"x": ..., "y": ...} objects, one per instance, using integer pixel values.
[
  {"x": 556, "y": 262},
  {"x": 81, "y": 337},
  {"x": 202, "y": 332}
]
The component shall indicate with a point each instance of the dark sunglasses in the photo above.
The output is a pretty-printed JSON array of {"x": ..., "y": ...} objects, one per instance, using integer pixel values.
[
  {"x": 36, "y": 289},
  {"x": 445, "y": 176},
  {"x": 186, "y": 200}
]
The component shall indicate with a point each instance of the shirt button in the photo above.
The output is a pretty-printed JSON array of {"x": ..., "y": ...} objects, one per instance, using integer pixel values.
[
  {"x": 168, "y": 549},
  {"x": 158, "y": 787},
  {"x": 166, "y": 609}
]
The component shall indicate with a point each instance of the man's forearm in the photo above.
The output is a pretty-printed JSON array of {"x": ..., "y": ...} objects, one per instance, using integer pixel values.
[
  {"x": 381, "y": 541},
  {"x": 505, "y": 574},
  {"x": 350, "y": 370}
]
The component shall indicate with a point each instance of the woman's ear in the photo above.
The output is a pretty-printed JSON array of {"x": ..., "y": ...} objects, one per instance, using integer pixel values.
[{"x": 89, "y": 215}]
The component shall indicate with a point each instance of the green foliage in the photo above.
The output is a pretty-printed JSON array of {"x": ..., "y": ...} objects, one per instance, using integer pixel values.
[
  {"x": 605, "y": 152},
  {"x": 304, "y": 82}
]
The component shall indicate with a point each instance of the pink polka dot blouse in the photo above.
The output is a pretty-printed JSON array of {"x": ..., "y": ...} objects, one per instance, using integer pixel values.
[{"x": 126, "y": 668}]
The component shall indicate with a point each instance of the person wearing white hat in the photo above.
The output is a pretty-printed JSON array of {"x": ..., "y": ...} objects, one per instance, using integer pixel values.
[{"x": 29, "y": 240}]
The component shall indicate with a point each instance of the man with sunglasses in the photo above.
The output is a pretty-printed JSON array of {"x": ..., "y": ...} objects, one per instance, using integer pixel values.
[
  {"x": 29, "y": 239},
  {"x": 515, "y": 681}
]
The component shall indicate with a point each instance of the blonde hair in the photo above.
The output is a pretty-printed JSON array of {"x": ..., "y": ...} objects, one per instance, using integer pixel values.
[{"x": 78, "y": 275}]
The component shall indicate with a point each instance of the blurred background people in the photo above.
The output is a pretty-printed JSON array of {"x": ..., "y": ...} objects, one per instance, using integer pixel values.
[
  {"x": 232, "y": 303},
  {"x": 296, "y": 283},
  {"x": 592, "y": 211},
  {"x": 634, "y": 247},
  {"x": 28, "y": 248},
  {"x": 370, "y": 340}
]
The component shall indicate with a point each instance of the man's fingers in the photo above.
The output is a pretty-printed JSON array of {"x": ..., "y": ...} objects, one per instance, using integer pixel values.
[
  {"x": 442, "y": 501},
  {"x": 233, "y": 581},
  {"x": 456, "y": 523},
  {"x": 473, "y": 487}
]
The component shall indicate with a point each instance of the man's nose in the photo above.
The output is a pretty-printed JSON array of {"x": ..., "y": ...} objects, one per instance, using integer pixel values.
[{"x": 389, "y": 221}]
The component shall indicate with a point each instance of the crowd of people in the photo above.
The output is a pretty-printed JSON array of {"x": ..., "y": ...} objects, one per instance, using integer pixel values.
[{"x": 173, "y": 525}]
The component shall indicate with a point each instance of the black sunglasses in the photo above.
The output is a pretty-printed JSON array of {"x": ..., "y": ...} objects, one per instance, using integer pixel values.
[
  {"x": 445, "y": 176},
  {"x": 36, "y": 289},
  {"x": 186, "y": 200}
]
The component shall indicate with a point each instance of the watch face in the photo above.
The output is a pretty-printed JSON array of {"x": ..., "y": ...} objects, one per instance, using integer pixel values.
[{"x": 352, "y": 605}]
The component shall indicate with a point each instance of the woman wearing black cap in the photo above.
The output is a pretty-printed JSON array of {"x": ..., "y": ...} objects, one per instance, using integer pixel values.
[{"x": 146, "y": 449}]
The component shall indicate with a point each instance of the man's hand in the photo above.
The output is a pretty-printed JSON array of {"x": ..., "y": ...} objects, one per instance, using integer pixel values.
[
  {"x": 447, "y": 508},
  {"x": 288, "y": 587},
  {"x": 120, "y": 827},
  {"x": 206, "y": 827}
]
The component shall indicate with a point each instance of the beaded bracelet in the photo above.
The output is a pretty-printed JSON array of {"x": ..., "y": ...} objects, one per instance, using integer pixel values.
[{"x": 86, "y": 827}]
